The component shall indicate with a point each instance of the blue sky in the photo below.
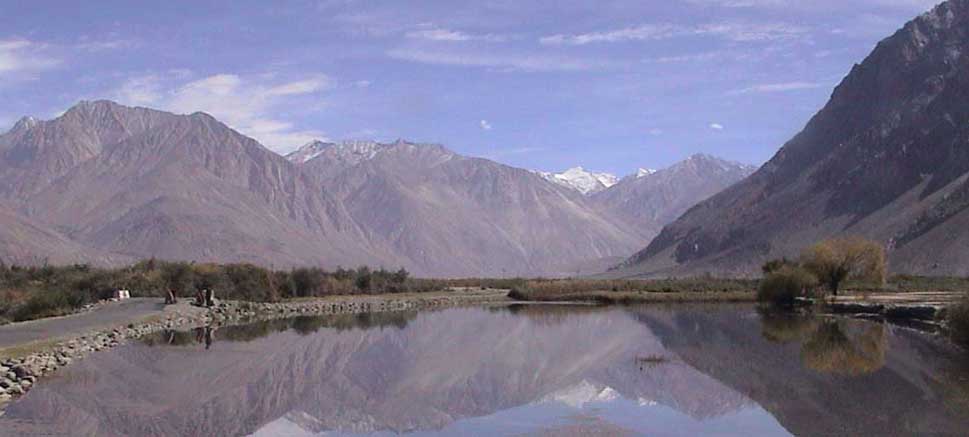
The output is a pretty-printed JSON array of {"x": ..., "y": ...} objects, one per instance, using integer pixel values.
[{"x": 609, "y": 85}]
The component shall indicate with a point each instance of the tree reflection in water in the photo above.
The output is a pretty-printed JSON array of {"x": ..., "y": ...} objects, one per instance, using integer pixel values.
[{"x": 842, "y": 347}]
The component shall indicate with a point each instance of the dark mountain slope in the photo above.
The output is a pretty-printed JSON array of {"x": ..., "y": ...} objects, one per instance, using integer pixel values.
[{"x": 887, "y": 158}]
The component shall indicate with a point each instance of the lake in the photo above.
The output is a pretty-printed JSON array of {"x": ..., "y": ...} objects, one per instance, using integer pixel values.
[{"x": 534, "y": 370}]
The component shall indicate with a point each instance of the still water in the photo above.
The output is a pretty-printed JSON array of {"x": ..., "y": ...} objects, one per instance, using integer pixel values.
[{"x": 528, "y": 370}]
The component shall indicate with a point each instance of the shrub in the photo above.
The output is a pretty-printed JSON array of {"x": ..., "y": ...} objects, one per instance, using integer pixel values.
[
  {"x": 782, "y": 287},
  {"x": 521, "y": 291},
  {"x": 48, "y": 304},
  {"x": 777, "y": 264}
]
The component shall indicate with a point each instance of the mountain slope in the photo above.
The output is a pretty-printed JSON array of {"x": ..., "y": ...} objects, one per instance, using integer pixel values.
[
  {"x": 143, "y": 183},
  {"x": 25, "y": 242},
  {"x": 453, "y": 215},
  {"x": 652, "y": 199},
  {"x": 886, "y": 158}
]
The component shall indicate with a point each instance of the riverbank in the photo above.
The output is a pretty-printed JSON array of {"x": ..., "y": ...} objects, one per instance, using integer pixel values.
[
  {"x": 22, "y": 365},
  {"x": 638, "y": 297}
]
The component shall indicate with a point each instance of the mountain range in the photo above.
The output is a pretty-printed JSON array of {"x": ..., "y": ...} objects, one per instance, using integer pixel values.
[
  {"x": 107, "y": 184},
  {"x": 887, "y": 158}
]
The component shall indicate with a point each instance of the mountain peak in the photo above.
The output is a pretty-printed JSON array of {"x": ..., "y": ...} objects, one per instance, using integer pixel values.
[
  {"x": 25, "y": 123},
  {"x": 353, "y": 150},
  {"x": 582, "y": 180}
]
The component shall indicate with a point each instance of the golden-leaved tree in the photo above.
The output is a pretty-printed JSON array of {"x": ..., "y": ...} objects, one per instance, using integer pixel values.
[{"x": 835, "y": 260}]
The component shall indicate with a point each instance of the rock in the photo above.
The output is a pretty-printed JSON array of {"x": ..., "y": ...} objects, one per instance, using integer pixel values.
[
  {"x": 911, "y": 312},
  {"x": 856, "y": 308}
]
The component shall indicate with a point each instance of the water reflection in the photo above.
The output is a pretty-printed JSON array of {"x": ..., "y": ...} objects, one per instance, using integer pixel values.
[
  {"x": 527, "y": 370},
  {"x": 836, "y": 345}
]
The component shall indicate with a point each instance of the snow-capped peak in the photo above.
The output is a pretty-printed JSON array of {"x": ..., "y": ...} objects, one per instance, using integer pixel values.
[
  {"x": 307, "y": 151},
  {"x": 25, "y": 123},
  {"x": 355, "y": 151},
  {"x": 581, "y": 180},
  {"x": 643, "y": 172}
]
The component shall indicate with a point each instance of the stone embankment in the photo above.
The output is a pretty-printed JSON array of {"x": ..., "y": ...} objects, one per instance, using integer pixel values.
[
  {"x": 925, "y": 307},
  {"x": 19, "y": 374}
]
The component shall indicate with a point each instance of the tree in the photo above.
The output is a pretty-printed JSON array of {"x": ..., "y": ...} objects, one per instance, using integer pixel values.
[
  {"x": 364, "y": 279},
  {"x": 835, "y": 260},
  {"x": 178, "y": 276}
]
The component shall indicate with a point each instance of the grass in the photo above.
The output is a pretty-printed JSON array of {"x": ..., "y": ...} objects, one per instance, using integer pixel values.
[
  {"x": 631, "y": 291},
  {"x": 909, "y": 284}
]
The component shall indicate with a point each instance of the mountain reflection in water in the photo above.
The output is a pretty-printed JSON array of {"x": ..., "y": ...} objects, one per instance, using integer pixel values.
[{"x": 529, "y": 370}]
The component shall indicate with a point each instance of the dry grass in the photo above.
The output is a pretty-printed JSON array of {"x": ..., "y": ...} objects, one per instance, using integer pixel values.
[{"x": 632, "y": 297}]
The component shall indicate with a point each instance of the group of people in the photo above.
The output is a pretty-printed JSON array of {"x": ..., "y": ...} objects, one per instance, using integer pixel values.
[{"x": 203, "y": 298}]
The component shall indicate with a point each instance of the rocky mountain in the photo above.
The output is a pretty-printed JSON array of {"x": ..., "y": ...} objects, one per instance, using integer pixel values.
[
  {"x": 455, "y": 215},
  {"x": 138, "y": 183},
  {"x": 106, "y": 182},
  {"x": 582, "y": 180},
  {"x": 886, "y": 158},
  {"x": 651, "y": 199}
]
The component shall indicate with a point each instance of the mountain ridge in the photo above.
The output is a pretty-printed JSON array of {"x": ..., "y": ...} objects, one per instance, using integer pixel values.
[{"x": 886, "y": 158}]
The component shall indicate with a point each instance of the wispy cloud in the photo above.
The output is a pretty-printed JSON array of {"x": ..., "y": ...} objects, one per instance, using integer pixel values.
[
  {"x": 431, "y": 33},
  {"x": 498, "y": 154},
  {"x": 716, "y": 126},
  {"x": 502, "y": 61},
  {"x": 248, "y": 104},
  {"x": 485, "y": 125},
  {"x": 23, "y": 56},
  {"x": 737, "y": 32},
  {"x": 777, "y": 87},
  {"x": 92, "y": 45}
]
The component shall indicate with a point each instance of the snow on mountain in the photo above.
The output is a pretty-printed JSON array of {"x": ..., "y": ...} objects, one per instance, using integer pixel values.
[
  {"x": 354, "y": 151},
  {"x": 584, "y": 181},
  {"x": 643, "y": 172},
  {"x": 581, "y": 394}
]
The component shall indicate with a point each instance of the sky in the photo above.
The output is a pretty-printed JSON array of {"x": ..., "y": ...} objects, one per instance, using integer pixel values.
[{"x": 610, "y": 85}]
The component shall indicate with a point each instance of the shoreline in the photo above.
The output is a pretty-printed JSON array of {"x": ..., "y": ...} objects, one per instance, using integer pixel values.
[{"x": 24, "y": 364}]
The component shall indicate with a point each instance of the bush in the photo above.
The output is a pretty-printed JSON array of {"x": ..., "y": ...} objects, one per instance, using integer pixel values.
[
  {"x": 521, "y": 291},
  {"x": 777, "y": 264},
  {"x": 958, "y": 318},
  {"x": 784, "y": 286},
  {"x": 48, "y": 304}
]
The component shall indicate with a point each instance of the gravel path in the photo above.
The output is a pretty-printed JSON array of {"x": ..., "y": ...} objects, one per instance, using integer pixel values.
[{"x": 104, "y": 316}]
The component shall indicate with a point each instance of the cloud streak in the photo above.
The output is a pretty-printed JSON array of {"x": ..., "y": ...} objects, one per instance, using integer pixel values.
[
  {"x": 246, "y": 104},
  {"x": 502, "y": 61},
  {"x": 441, "y": 34},
  {"x": 777, "y": 87},
  {"x": 23, "y": 56},
  {"x": 736, "y": 32}
]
